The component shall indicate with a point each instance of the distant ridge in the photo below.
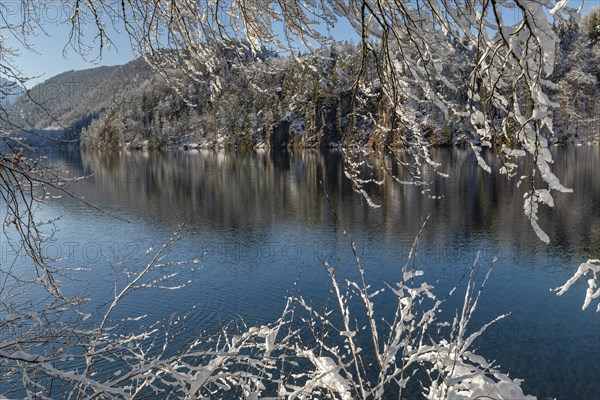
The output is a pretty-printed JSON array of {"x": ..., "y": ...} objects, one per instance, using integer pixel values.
[{"x": 71, "y": 100}]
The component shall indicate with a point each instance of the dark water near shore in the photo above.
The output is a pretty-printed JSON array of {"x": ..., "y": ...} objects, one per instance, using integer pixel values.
[{"x": 260, "y": 223}]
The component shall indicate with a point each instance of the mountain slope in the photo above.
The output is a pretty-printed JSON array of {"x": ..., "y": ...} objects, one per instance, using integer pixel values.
[
  {"x": 245, "y": 101},
  {"x": 69, "y": 101}
]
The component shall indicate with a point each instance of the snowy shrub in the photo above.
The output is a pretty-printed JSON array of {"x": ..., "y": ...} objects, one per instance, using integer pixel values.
[{"x": 347, "y": 349}]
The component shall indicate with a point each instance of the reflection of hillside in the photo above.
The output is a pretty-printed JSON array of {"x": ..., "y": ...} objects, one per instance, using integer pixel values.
[
  {"x": 257, "y": 190},
  {"x": 214, "y": 188}
]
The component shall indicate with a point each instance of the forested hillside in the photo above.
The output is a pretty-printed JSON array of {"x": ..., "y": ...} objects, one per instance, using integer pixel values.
[
  {"x": 71, "y": 100},
  {"x": 578, "y": 77},
  {"x": 309, "y": 100}
]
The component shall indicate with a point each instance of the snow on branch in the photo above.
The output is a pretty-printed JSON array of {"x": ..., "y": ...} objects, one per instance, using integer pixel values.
[{"x": 591, "y": 271}]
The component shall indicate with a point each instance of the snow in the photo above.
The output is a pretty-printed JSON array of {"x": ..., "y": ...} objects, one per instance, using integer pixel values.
[
  {"x": 23, "y": 356},
  {"x": 327, "y": 375},
  {"x": 591, "y": 269}
]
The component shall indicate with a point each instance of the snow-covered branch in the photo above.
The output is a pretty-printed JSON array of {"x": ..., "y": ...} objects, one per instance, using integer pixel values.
[{"x": 589, "y": 270}]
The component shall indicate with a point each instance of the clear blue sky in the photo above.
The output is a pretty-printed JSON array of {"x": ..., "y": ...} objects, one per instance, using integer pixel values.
[{"x": 49, "y": 59}]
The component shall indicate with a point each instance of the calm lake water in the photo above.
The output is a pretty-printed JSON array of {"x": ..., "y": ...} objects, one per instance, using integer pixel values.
[{"x": 260, "y": 224}]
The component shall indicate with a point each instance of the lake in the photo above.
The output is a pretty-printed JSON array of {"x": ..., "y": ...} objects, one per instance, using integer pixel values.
[{"x": 260, "y": 225}]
